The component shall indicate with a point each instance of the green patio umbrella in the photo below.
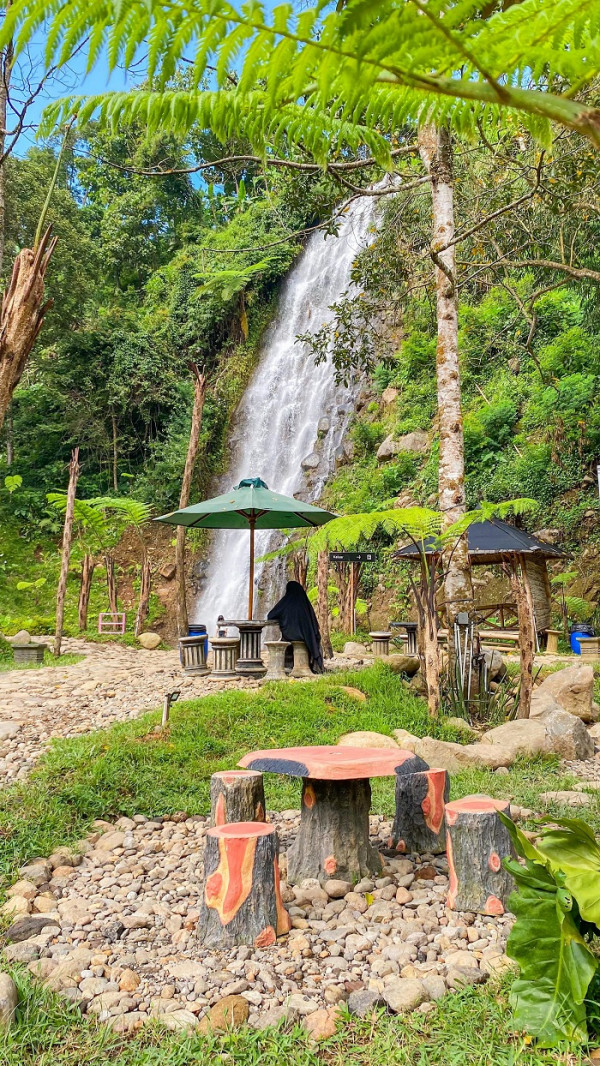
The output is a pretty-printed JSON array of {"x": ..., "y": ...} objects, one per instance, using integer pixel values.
[{"x": 250, "y": 505}]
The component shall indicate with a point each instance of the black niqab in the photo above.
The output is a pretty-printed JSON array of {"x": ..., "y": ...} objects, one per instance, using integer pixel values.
[{"x": 298, "y": 621}]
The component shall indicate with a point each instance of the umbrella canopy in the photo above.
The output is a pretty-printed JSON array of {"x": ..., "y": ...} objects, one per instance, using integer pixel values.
[{"x": 250, "y": 505}]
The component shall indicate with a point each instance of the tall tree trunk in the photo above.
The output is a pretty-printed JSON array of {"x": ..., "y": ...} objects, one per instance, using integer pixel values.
[
  {"x": 524, "y": 601},
  {"x": 300, "y": 564},
  {"x": 85, "y": 588},
  {"x": 6, "y": 65},
  {"x": 115, "y": 474},
  {"x": 184, "y": 496},
  {"x": 111, "y": 584},
  {"x": 322, "y": 611},
  {"x": 425, "y": 595},
  {"x": 144, "y": 601},
  {"x": 435, "y": 148},
  {"x": 66, "y": 549}
]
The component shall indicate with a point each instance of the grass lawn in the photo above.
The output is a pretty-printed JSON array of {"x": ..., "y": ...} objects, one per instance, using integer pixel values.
[
  {"x": 68, "y": 659},
  {"x": 129, "y": 769}
]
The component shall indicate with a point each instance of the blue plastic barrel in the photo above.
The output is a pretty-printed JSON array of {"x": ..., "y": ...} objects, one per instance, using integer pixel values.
[
  {"x": 199, "y": 631},
  {"x": 577, "y": 631}
]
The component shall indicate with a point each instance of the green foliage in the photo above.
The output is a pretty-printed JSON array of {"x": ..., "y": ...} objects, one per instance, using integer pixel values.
[{"x": 557, "y": 908}]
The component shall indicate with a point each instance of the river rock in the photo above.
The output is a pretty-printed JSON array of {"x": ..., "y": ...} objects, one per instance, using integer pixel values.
[
  {"x": 229, "y": 1013},
  {"x": 404, "y": 994},
  {"x": 311, "y": 462},
  {"x": 9, "y": 729},
  {"x": 20, "y": 639},
  {"x": 149, "y": 641},
  {"x": 566, "y": 734},
  {"x": 363, "y": 1001},
  {"x": 366, "y": 739},
  {"x": 354, "y": 650},
  {"x": 524, "y": 736},
  {"x": 28, "y": 926},
  {"x": 403, "y": 664},
  {"x": 337, "y": 889},
  {"x": 405, "y": 740},
  {"x": 9, "y": 998},
  {"x": 452, "y": 757},
  {"x": 496, "y": 666},
  {"x": 321, "y": 1024},
  {"x": 572, "y": 688}
]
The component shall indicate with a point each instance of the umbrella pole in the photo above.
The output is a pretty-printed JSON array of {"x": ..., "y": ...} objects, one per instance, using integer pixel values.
[{"x": 251, "y": 588}]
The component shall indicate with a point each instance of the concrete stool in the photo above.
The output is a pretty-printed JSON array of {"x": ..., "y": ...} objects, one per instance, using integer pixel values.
[
  {"x": 276, "y": 667},
  {"x": 420, "y": 801},
  {"x": 477, "y": 842},
  {"x": 241, "y": 900},
  {"x": 552, "y": 636},
  {"x": 227, "y": 650},
  {"x": 381, "y": 644},
  {"x": 192, "y": 653},
  {"x": 237, "y": 796},
  {"x": 301, "y": 666}
]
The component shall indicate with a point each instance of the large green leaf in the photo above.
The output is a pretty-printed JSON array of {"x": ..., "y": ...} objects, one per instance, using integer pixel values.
[
  {"x": 556, "y": 965},
  {"x": 573, "y": 848}
]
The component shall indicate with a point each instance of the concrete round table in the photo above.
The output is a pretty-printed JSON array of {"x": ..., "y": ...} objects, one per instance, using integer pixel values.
[
  {"x": 333, "y": 839},
  {"x": 249, "y": 662}
]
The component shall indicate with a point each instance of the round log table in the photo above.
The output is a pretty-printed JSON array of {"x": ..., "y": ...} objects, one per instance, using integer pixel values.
[{"x": 333, "y": 839}]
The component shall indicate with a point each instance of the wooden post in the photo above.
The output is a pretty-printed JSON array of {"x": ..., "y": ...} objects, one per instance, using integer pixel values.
[
  {"x": 66, "y": 549},
  {"x": 144, "y": 602},
  {"x": 419, "y": 822},
  {"x": 241, "y": 901},
  {"x": 87, "y": 573},
  {"x": 237, "y": 796},
  {"x": 184, "y": 496},
  {"x": 477, "y": 842},
  {"x": 111, "y": 584},
  {"x": 526, "y": 634}
]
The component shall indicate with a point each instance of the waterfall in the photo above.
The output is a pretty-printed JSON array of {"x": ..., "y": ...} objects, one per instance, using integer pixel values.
[{"x": 291, "y": 421}]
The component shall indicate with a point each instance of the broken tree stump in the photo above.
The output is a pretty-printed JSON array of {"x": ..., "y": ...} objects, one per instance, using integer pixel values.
[
  {"x": 333, "y": 838},
  {"x": 419, "y": 822},
  {"x": 476, "y": 843},
  {"x": 241, "y": 901},
  {"x": 237, "y": 796}
]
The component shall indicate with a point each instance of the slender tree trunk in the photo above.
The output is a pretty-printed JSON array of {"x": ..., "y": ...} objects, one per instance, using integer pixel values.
[
  {"x": 184, "y": 496},
  {"x": 115, "y": 474},
  {"x": 10, "y": 446},
  {"x": 435, "y": 147},
  {"x": 526, "y": 635},
  {"x": 85, "y": 588},
  {"x": 6, "y": 65},
  {"x": 144, "y": 601},
  {"x": 322, "y": 611},
  {"x": 300, "y": 562},
  {"x": 111, "y": 584},
  {"x": 424, "y": 594},
  {"x": 66, "y": 549}
]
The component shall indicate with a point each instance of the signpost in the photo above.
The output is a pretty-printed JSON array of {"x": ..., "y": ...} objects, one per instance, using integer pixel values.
[{"x": 354, "y": 558}]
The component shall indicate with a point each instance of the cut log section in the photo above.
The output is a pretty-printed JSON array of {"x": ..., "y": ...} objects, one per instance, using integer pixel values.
[
  {"x": 241, "y": 902},
  {"x": 476, "y": 843},
  {"x": 237, "y": 796},
  {"x": 333, "y": 838},
  {"x": 420, "y": 801}
]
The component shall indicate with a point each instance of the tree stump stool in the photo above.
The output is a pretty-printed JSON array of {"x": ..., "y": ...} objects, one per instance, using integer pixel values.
[
  {"x": 237, "y": 796},
  {"x": 276, "y": 667},
  {"x": 477, "y": 842},
  {"x": 241, "y": 900},
  {"x": 301, "y": 666},
  {"x": 226, "y": 651},
  {"x": 381, "y": 644},
  {"x": 420, "y": 802}
]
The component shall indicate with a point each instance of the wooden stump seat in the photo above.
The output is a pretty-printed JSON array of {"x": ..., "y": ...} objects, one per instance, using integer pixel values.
[
  {"x": 419, "y": 822},
  {"x": 476, "y": 844},
  {"x": 237, "y": 796},
  {"x": 241, "y": 900}
]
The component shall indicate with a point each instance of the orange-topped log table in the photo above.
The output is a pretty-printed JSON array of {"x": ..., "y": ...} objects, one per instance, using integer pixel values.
[{"x": 333, "y": 839}]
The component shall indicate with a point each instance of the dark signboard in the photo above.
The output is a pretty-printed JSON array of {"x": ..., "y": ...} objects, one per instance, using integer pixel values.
[{"x": 353, "y": 557}]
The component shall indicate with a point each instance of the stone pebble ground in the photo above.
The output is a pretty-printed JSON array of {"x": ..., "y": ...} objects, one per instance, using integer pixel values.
[{"x": 112, "y": 924}]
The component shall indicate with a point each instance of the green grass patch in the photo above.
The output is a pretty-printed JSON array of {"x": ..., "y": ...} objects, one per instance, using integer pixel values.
[{"x": 68, "y": 659}]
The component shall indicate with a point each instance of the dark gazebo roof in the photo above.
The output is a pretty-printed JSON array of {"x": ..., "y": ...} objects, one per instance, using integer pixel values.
[{"x": 490, "y": 542}]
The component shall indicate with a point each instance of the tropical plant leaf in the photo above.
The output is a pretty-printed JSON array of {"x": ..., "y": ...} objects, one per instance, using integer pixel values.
[
  {"x": 556, "y": 965},
  {"x": 573, "y": 849}
]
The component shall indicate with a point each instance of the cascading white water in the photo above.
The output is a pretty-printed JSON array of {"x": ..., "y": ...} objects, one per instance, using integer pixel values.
[{"x": 288, "y": 405}]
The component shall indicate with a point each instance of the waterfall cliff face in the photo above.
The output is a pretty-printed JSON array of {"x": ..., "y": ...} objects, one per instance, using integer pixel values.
[{"x": 291, "y": 421}]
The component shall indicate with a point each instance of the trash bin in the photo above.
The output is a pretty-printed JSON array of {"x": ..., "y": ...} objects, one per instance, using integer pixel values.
[
  {"x": 580, "y": 630},
  {"x": 199, "y": 631}
]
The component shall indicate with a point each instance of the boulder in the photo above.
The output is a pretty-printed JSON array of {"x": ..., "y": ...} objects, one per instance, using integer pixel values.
[
  {"x": 552, "y": 731},
  {"x": 28, "y": 926},
  {"x": 410, "y": 442},
  {"x": 354, "y": 650},
  {"x": 168, "y": 571},
  {"x": 496, "y": 666},
  {"x": 323, "y": 426},
  {"x": 20, "y": 639},
  {"x": 311, "y": 462},
  {"x": 461, "y": 726},
  {"x": 594, "y": 731},
  {"x": 403, "y": 664},
  {"x": 366, "y": 739},
  {"x": 9, "y": 997},
  {"x": 389, "y": 395},
  {"x": 453, "y": 757},
  {"x": 354, "y": 692},
  {"x": 572, "y": 688},
  {"x": 404, "y": 739},
  {"x": 149, "y": 641}
]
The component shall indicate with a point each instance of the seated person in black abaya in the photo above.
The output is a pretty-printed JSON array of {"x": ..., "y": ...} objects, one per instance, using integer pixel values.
[{"x": 298, "y": 621}]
